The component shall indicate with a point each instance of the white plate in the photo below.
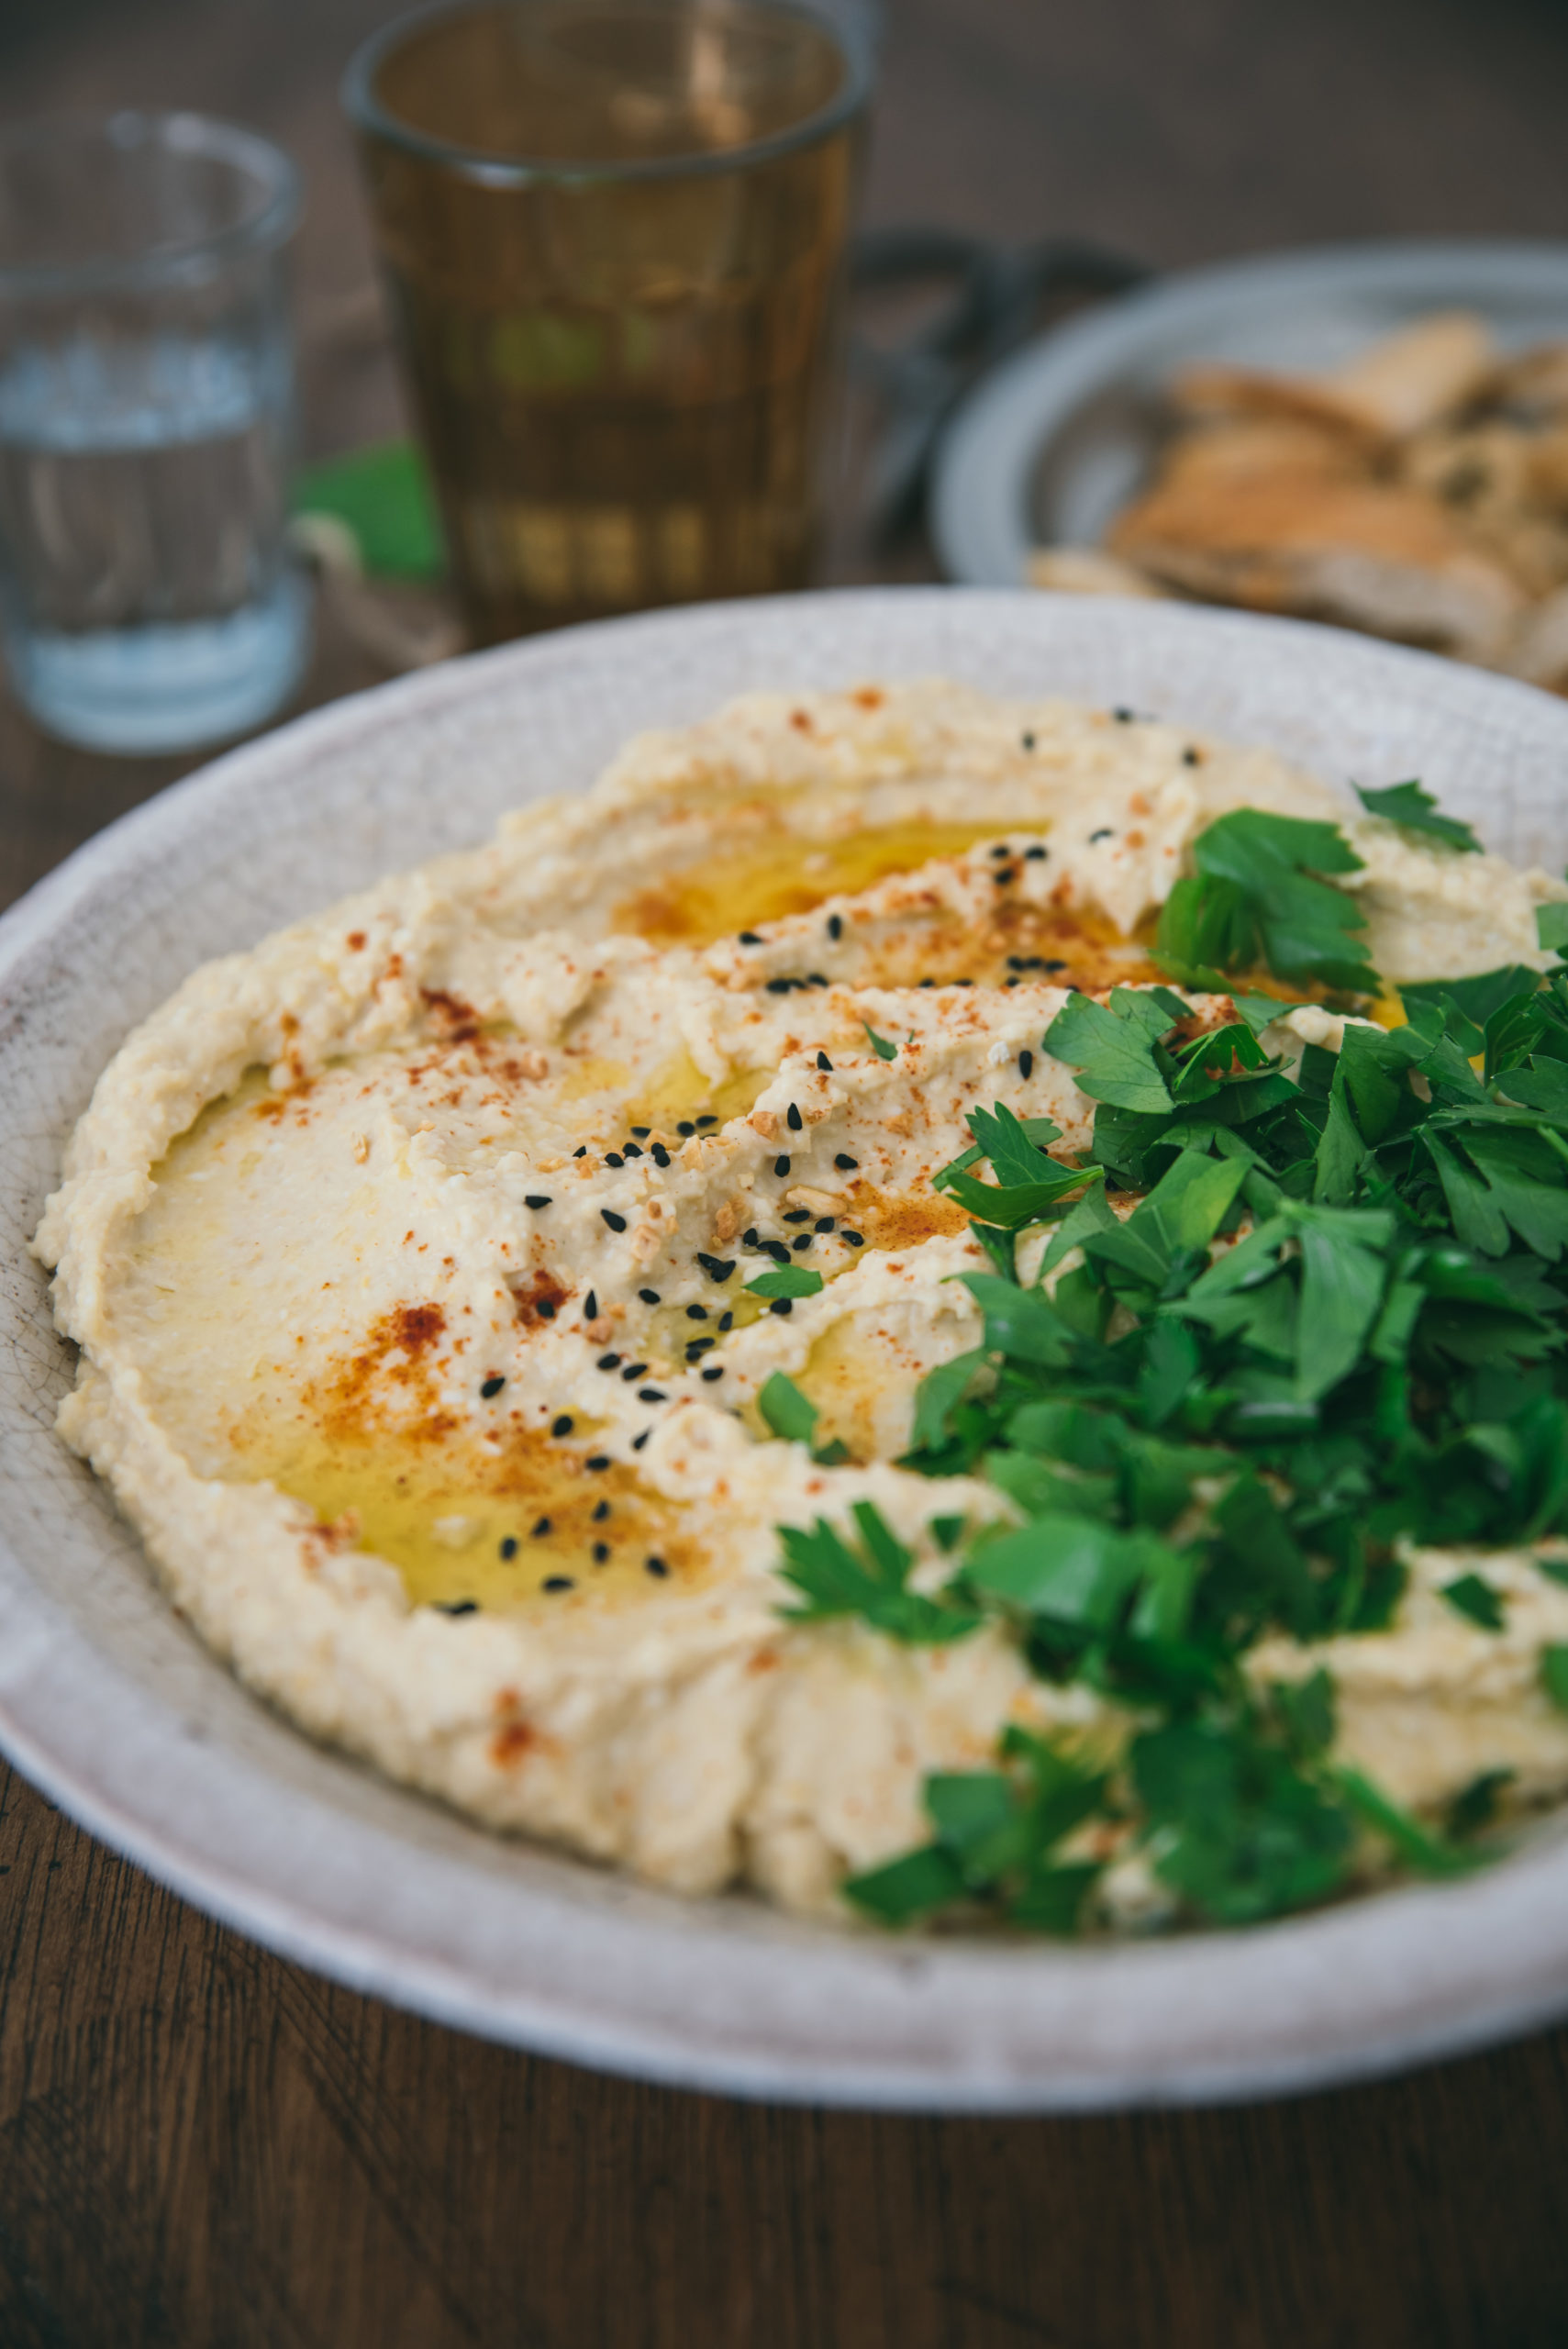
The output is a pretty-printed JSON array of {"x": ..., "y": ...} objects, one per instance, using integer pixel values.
[
  {"x": 110, "y": 1705},
  {"x": 1052, "y": 445}
]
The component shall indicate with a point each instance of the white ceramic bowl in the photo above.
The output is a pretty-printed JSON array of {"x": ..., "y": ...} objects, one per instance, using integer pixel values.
[{"x": 110, "y": 1705}]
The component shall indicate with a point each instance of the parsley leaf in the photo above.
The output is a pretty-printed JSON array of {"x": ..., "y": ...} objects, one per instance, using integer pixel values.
[
  {"x": 1256, "y": 897},
  {"x": 788, "y": 1412},
  {"x": 882, "y": 1046},
  {"x": 785, "y": 1280},
  {"x": 1032, "y": 1185},
  {"x": 868, "y": 1581},
  {"x": 1112, "y": 1045},
  {"x": 1415, "y": 811}
]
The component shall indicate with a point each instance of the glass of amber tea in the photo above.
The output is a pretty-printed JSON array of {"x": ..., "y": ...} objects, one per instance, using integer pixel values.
[{"x": 614, "y": 235}]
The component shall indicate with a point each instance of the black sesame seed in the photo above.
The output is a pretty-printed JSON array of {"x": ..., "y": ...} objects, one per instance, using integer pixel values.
[
  {"x": 685, "y": 1127},
  {"x": 538, "y": 1532},
  {"x": 696, "y": 1313},
  {"x": 697, "y": 1347},
  {"x": 655, "y": 1566},
  {"x": 614, "y": 1158},
  {"x": 1053, "y": 966},
  {"x": 661, "y": 1155},
  {"x": 928, "y": 982},
  {"x": 817, "y": 979},
  {"x": 632, "y": 1151},
  {"x": 559, "y": 1582},
  {"x": 781, "y": 1166},
  {"x": 1036, "y": 855},
  {"x": 1013, "y": 982},
  {"x": 1027, "y": 741},
  {"x": 1106, "y": 832},
  {"x": 1123, "y": 717},
  {"x": 634, "y": 1370},
  {"x": 545, "y": 1308},
  {"x": 562, "y": 1426},
  {"x": 608, "y": 1361},
  {"x": 803, "y": 1240},
  {"x": 834, "y": 926},
  {"x": 727, "y": 1320},
  {"x": 961, "y": 983},
  {"x": 749, "y": 937},
  {"x": 776, "y": 1250},
  {"x": 492, "y": 1385},
  {"x": 535, "y": 1199},
  {"x": 794, "y": 1120},
  {"x": 797, "y": 1215},
  {"x": 509, "y": 1546},
  {"x": 716, "y": 1370},
  {"x": 1026, "y": 1064},
  {"x": 601, "y": 1511},
  {"x": 639, "y": 1441},
  {"x": 823, "y": 1223},
  {"x": 854, "y": 1238},
  {"x": 1190, "y": 759},
  {"x": 581, "y": 1151},
  {"x": 652, "y": 1395},
  {"x": 601, "y": 1551},
  {"x": 1002, "y": 850},
  {"x": 642, "y": 1133},
  {"x": 457, "y": 1606},
  {"x": 823, "y": 1062},
  {"x": 780, "y": 986},
  {"x": 716, "y": 1267},
  {"x": 598, "y": 1460},
  {"x": 616, "y": 1222},
  {"x": 708, "y": 1120},
  {"x": 648, "y": 1296},
  {"x": 590, "y": 1306},
  {"x": 782, "y": 1305},
  {"x": 749, "y": 1239},
  {"x": 1003, "y": 874},
  {"x": 845, "y": 1160}
]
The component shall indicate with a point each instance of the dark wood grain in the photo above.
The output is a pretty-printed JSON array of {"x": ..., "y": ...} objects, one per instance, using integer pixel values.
[{"x": 201, "y": 2144}]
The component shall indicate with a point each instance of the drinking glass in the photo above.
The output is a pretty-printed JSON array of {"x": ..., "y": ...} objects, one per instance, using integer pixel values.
[
  {"x": 614, "y": 236},
  {"x": 145, "y": 415}
]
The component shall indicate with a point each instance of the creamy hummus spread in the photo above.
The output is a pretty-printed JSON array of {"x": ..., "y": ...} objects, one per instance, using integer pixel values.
[{"x": 410, "y": 1257}]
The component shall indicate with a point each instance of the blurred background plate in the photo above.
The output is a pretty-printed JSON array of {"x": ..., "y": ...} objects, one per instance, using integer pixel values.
[{"x": 1048, "y": 448}]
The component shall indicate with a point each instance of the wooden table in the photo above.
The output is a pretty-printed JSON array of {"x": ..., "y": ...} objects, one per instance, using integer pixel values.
[{"x": 200, "y": 2144}]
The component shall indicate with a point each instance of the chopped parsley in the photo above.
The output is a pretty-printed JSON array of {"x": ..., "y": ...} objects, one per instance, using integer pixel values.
[
  {"x": 1289, "y": 1323},
  {"x": 1416, "y": 810}
]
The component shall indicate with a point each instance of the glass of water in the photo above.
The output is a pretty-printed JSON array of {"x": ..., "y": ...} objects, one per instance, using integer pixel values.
[{"x": 146, "y": 602}]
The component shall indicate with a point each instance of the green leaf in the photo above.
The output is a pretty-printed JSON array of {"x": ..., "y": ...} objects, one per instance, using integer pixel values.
[
  {"x": 1554, "y": 1674},
  {"x": 383, "y": 497},
  {"x": 1020, "y": 1322},
  {"x": 1478, "y": 997},
  {"x": 1416, "y": 810},
  {"x": 1472, "y": 1595},
  {"x": 785, "y": 1280},
  {"x": 1245, "y": 1835},
  {"x": 940, "y": 1392},
  {"x": 1307, "y": 1708},
  {"x": 906, "y": 1889},
  {"x": 1112, "y": 1047},
  {"x": 786, "y": 1410},
  {"x": 1418, "y": 1848},
  {"x": 1552, "y": 925},
  {"x": 882, "y": 1046},
  {"x": 1256, "y": 897},
  {"x": 836, "y": 1580}
]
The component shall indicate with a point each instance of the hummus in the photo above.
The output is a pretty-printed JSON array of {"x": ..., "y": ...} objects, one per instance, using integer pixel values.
[{"x": 408, "y": 1256}]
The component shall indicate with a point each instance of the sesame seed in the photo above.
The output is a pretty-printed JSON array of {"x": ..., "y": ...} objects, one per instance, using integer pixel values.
[
  {"x": 1190, "y": 759},
  {"x": 715, "y": 1370},
  {"x": 1013, "y": 982},
  {"x": 601, "y": 1551},
  {"x": 685, "y": 1127},
  {"x": 652, "y": 1395},
  {"x": 598, "y": 1460},
  {"x": 509, "y": 1546},
  {"x": 928, "y": 982},
  {"x": 614, "y": 1158},
  {"x": 632, "y": 1149},
  {"x": 1036, "y": 855},
  {"x": 545, "y": 1308},
  {"x": 1026, "y": 1064},
  {"x": 607, "y": 1362},
  {"x": 1003, "y": 874},
  {"x": 559, "y": 1582},
  {"x": 1123, "y": 717},
  {"x": 639, "y": 1441},
  {"x": 817, "y": 979},
  {"x": 655, "y": 1566},
  {"x": 960, "y": 983},
  {"x": 797, "y": 1215},
  {"x": 823, "y": 1062},
  {"x": 749, "y": 937},
  {"x": 780, "y": 986},
  {"x": 457, "y": 1606},
  {"x": 616, "y": 1222},
  {"x": 845, "y": 1160},
  {"x": 782, "y": 1305},
  {"x": 535, "y": 1199},
  {"x": 794, "y": 1120},
  {"x": 709, "y": 1121},
  {"x": 854, "y": 1238},
  {"x": 648, "y": 1296},
  {"x": 727, "y": 1320},
  {"x": 1002, "y": 850},
  {"x": 696, "y": 1313},
  {"x": 1027, "y": 741},
  {"x": 538, "y": 1532},
  {"x": 834, "y": 926},
  {"x": 803, "y": 1240},
  {"x": 716, "y": 1267},
  {"x": 601, "y": 1511},
  {"x": 492, "y": 1385},
  {"x": 661, "y": 1155},
  {"x": 1053, "y": 966},
  {"x": 697, "y": 1347},
  {"x": 776, "y": 1250},
  {"x": 581, "y": 1151},
  {"x": 562, "y": 1426},
  {"x": 1106, "y": 832},
  {"x": 749, "y": 1239},
  {"x": 823, "y": 1223},
  {"x": 633, "y": 1371},
  {"x": 642, "y": 1133},
  {"x": 781, "y": 1166}
]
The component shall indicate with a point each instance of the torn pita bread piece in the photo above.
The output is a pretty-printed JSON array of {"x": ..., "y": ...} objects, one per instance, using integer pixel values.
[
  {"x": 1366, "y": 553},
  {"x": 1394, "y": 387}
]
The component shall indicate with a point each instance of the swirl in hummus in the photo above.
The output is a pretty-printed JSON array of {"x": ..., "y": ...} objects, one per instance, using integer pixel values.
[{"x": 410, "y": 1255}]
